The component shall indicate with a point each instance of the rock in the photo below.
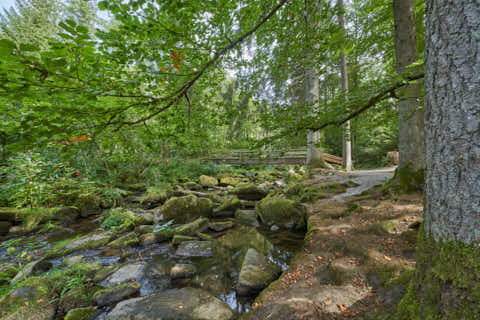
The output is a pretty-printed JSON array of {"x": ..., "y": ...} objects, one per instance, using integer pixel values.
[
  {"x": 115, "y": 294},
  {"x": 247, "y": 204},
  {"x": 192, "y": 186},
  {"x": 4, "y": 227},
  {"x": 30, "y": 269},
  {"x": 186, "y": 209},
  {"x": 177, "y": 239},
  {"x": 174, "y": 304},
  {"x": 148, "y": 239},
  {"x": 285, "y": 213},
  {"x": 220, "y": 226},
  {"x": 204, "y": 236},
  {"x": 70, "y": 261},
  {"x": 257, "y": 272},
  {"x": 77, "y": 297},
  {"x": 81, "y": 314},
  {"x": 129, "y": 272},
  {"x": 249, "y": 191},
  {"x": 182, "y": 270},
  {"x": 247, "y": 216},
  {"x": 104, "y": 272},
  {"x": 195, "y": 249},
  {"x": 228, "y": 207},
  {"x": 42, "y": 311},
  {"x": 274, "y": 228},
  {"x": 243, "y": 237},
  {"x": 229, "y": 181},
  {"x": 143, "y": 229},
  {"x": 67, "y": 215},
  {"x": 206, "y": 181},
  {"x": 91, "y": 241},
  {"x": 190, "y": 229},
  {"x": 125, "y": 241}
]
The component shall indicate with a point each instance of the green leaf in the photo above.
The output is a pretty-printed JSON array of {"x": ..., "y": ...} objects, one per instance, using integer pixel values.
[
  {"x": 6, "y": 46},
  {"x": 82, "y": 29},
  {"x": 29, "y": 47},
  {"x": 71, "y": 22}
]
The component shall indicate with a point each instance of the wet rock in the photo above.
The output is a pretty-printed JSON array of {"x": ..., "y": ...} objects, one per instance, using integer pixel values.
[
  {"x": 4, "y": 227},
  {"x": 195, "y": 249},
  {"x": 243, "y": 237},
  {"x": 249, "y": 192},
  {"x": 125, "y": 241},
  {"x": 206, "y": 181},
  {"x": 190, "y": 229},
  {"x": 148, "y": 239},
  {"x": 256, "y": 273},
  {"x": 227, "y": 207},
  {"x": 67, "y": 215},
  {"x": 129, "y": 272},
  {"x": 104, "y": 272},
  {"x": 144, "y": 229},
  {"x": 30, "y": 269},
  {"x": 81, "y": 314},
  {"x": 186, "y": 209},
  {"x": 220, "y": 226},
  {"x": 78, "y": 297},
  {"x": 204, "y": 236},
  {"x": 247, "y": 216},
  {"x": 174, "y": 304},
  {"x": 285, "y": 213},
  {"x": 115, "y": 294},
  {"x": 177, "y": 239},
  {"x": 70, "y": 261},
  {"x": 90, "y": 241},
  {"x": 182, "y": 270}
]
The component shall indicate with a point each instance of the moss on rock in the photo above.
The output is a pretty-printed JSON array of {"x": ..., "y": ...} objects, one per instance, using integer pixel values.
[
  {"x": 82, "y": 314},
  {"x": 284, "y": 213},
  {"x": 125, "y": 241},
  {"x": 187, "y": 208}
]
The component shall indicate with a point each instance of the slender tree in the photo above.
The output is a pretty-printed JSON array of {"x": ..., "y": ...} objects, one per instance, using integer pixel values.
[
  {"x": 411, "y": 145},
  {"x": 447, "y": 278},
  {"x": 347, "y": 141}
]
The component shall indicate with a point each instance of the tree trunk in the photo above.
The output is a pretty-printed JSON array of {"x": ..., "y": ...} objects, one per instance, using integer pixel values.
[
  {"x": 346, "y": 135},
  {"x": 447, "y": 280},
  {"x": 314, "y": 153},
  {"x": 411, "y": 137}
]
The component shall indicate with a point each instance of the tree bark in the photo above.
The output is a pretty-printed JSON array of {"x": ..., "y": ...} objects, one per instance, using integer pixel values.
[
  {"x": 346, "y": 135},
  {"x": 447, "y": 279},
  {"x": 411, "y": 137}
]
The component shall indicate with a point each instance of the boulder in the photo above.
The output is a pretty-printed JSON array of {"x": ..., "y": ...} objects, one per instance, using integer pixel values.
[
  {"x": 81, "y": 314},
  {"x": 144, "y": 229},
  {"x": 195, "y": 249},
  {"x": 206, "y": 181},
  {"x": 187, "y": 208},
  {"x": 70, "y": 261},
  {"x": 148, "y": 239},
  {"x": 125, "y": 241},
  {"x": 221, "y": 225},
  {"x": 129, "y": 272},
  {"x": 229, "y": 181},
  {"x": 256, "y": 274},
  {"x": 90, "y": 241},
  {"x": 243, "y": 237},
  {"x": 182, "y": 270},
  {"x": 67, "y": 215},
  {"x": 227, "y": 207},
  {"x": 174, "y": 304},
  {"x": 177, "y": 239},
  {"x": 247, "y": 216},
  {"x": 115, "y": 294},
  {"x": 248, "y": 191},
  {"x": 285, "y": 213},
  {"x": 30, "y": 269},
  {"x": 190, "y": 229}
]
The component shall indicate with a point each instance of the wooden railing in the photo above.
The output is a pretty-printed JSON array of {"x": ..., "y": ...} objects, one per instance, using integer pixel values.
[{"x": 280, "y": 156}]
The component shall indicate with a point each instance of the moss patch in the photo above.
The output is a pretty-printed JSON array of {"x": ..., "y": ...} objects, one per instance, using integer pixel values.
[
  {"x": 406, "y": 180},
  {"x": 446, "y": 284},
  {"x": 81, "y": 314}
]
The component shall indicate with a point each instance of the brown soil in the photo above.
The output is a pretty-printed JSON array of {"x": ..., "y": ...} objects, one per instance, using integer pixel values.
[{"x": 355, "y": 261}]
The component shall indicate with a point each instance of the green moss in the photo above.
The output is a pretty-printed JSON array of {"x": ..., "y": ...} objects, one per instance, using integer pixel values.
[
  {"x": 185, "y": 209},
  {"x": 125, "y": 241},
  {"x": 406, "y": 180},
  {"x": 446, "y": 284},
  {"x": 81, "y": 314},
  {"x": 284, "y": 213},
  {"x": 156, "y": 194},
  {"x": 121, "y": 220},
  {"x": 207, "y": 181}
]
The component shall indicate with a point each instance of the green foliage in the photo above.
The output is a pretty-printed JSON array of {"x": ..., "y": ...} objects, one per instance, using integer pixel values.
[{"x": 120, "y": 220}]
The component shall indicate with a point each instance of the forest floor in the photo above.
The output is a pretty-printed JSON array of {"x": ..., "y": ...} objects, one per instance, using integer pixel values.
[{"x": 358, "y": 256}]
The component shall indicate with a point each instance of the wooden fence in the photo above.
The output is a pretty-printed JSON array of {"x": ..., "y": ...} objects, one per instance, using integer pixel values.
[{"x": 281, "y": 156}]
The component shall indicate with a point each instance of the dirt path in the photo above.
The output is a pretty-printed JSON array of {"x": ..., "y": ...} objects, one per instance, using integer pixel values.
[{"x": 356, "y": 258}]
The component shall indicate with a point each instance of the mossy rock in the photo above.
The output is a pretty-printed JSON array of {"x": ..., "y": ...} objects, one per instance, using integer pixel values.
[
  {"x": 117, "y": 293},
  {"x": 79, "y": 297},
  {"x": 192, "y": 186},
  {"x": 229, "y": 181},
  {"x": 187, "y": 208},
  {"x": 66, "y": 215},
  {"x": 177, "y": 239},
  {"x": 206, "y": 181},
  {"x": 190, "y": 229},
  {"x": 257, "y": 272},
  {"x": 82, "y": 314},
  {"x": 227, "y": 207},
  {"x": 284, "y": 213},
  {"x": 89, "y": 205},
  {"x": 125, "y": 241},
  {"x": 30, "y": 290},
  {"x": 249, "y": 191},
  {"x": 4, "y": 227}
]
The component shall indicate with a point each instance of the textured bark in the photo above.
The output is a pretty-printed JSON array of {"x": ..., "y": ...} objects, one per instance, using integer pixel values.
[
  {"x": 447, "y": 278},
  {"x": 346, "y": 136},
  {"x": 411, "y": 140},
  {"x": 452, "y": 102}
]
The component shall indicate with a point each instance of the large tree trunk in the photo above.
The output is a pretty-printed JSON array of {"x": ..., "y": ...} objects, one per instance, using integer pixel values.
[
  {"x": 411, "y": 138},
  {"x": 447, "y": 281},
  {"x": 346, "y": 136}
]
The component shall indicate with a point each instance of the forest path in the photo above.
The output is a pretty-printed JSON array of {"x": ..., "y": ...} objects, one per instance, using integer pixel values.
[{"x": 357, "y": 254}]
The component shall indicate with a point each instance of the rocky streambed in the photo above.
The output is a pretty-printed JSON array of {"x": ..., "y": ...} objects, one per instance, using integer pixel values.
[{"x": 199, "y": 250}]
